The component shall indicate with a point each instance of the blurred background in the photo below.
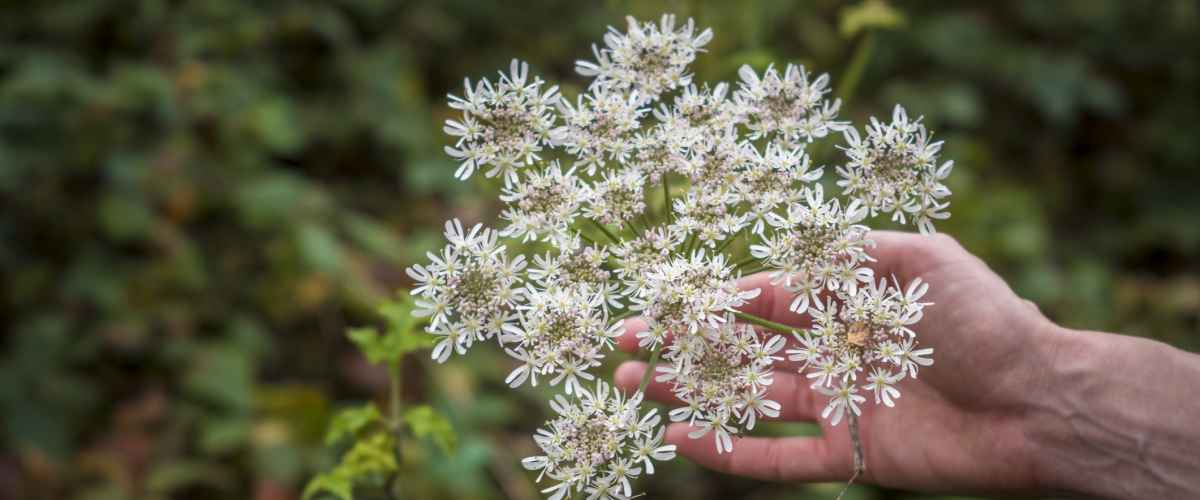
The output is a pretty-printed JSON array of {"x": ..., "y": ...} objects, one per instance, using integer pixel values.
[{"x": 197, "y": 198}]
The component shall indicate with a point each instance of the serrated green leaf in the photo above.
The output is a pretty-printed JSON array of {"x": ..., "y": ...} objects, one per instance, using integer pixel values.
[
  {"x": 332, "y": 483},
  {"x": 403, "y": 334},
  {"x": 427, "y": 422},
  {"x": 870, "y": 14},
  {"x": 398, "y": 314},
  {"x": 350, "y": 421},
  {"x": 368, "y": 341},
  {"x": 371, "y": 455},
  {"x": 404, "y": 329}
]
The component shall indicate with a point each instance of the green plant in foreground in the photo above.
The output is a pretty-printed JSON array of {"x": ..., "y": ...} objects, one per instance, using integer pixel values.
[{"x": 372, "y": 438}]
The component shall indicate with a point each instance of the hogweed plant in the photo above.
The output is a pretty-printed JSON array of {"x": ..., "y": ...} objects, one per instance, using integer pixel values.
[{"x": 650, "y": 195}]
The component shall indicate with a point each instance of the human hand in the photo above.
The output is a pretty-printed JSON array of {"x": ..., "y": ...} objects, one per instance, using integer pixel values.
[{"x": 960, "y": 426}]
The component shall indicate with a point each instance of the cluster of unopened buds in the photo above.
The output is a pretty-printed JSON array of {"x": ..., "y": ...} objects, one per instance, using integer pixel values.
[{"x": 650, "y": 195}]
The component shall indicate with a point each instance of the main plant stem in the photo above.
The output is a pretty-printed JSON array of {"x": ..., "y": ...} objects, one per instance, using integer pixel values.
[{"x": 860, "y": 464}]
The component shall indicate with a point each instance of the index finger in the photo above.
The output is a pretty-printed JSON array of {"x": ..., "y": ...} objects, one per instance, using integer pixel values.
[
  {"x": 628, "y": 340},
  {"x": 769, "y": 459}
]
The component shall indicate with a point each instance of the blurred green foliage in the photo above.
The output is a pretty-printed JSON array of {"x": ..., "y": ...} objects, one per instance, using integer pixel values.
[{"x": 197, "y": 198}]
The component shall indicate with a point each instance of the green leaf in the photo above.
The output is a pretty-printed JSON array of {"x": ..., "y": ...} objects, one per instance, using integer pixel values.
[
  {"x": 368, "y": 341},
  {"x": 870, "y": 14},
  {"x": 350, "y": 421},
  {"x": 427, "y": 422},
  {"x": 335, "y": 484},
  {"x": 371, "y": 455},
  {"x": 404, "y": 330},
  {"x": 403, "y": 334}
]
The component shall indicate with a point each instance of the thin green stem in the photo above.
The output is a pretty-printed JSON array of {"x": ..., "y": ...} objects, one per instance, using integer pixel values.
[
  {"x": 609, "y": 234},
  {"x": 765, "y": 323},
  {"x": 753, "y": 270},
  {"x": 727, "y": 241},
  {"x": 628, "y": 313},
  {"x": 848, "y": 84},
  {"x": 667, "y": 208},
  {"x": 650, "y": 368},
  {"x": 395, "y": 379},
  {"x": 745, "y": 263},
  {"x": 640, "y": 225},
  {"x": 854, "y": 72},
  {"x": 631, "y": 225},
  {"x": 395, "y": 416},
  {"x": 688, "y": 243}
]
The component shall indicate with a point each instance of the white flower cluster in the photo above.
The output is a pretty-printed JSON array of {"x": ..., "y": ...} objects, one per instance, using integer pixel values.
[
  {"x": 504, "y": 126},
  {"x": 544, "y": 204},
  {"x": 816, "y": 246},
  {"x": 864, "y": 329},
  {"x": 597, "y": 444},
  {"x": 562, "y": 333},
  {"x": 895, "y": 170},
  {"x": 788, "y": 107},
  {"x": 721, "y": 375},
  {"x": 648, "y": 59},
  {"x": 650, "y": 195},
  {"x": 683, "y": 295},
  {"x": 471, "y": 289}
]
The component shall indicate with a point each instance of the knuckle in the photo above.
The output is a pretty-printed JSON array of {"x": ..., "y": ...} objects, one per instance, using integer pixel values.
[
  {"x": 803, "y": 400},
  {"x": 947, "y": 241},
  {"x": 774, "y": 457}
]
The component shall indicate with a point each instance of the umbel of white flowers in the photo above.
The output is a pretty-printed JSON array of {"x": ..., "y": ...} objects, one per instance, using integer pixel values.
[{"x": 651, "y": 195}]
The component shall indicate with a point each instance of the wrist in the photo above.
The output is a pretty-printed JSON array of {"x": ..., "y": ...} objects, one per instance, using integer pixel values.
[
  {"x": 1105, "y": 421},
  {"x": 1065, "y": 356}
]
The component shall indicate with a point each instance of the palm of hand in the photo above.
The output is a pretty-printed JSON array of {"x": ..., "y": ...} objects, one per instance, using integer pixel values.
[{"x": 959, "y": 424}]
